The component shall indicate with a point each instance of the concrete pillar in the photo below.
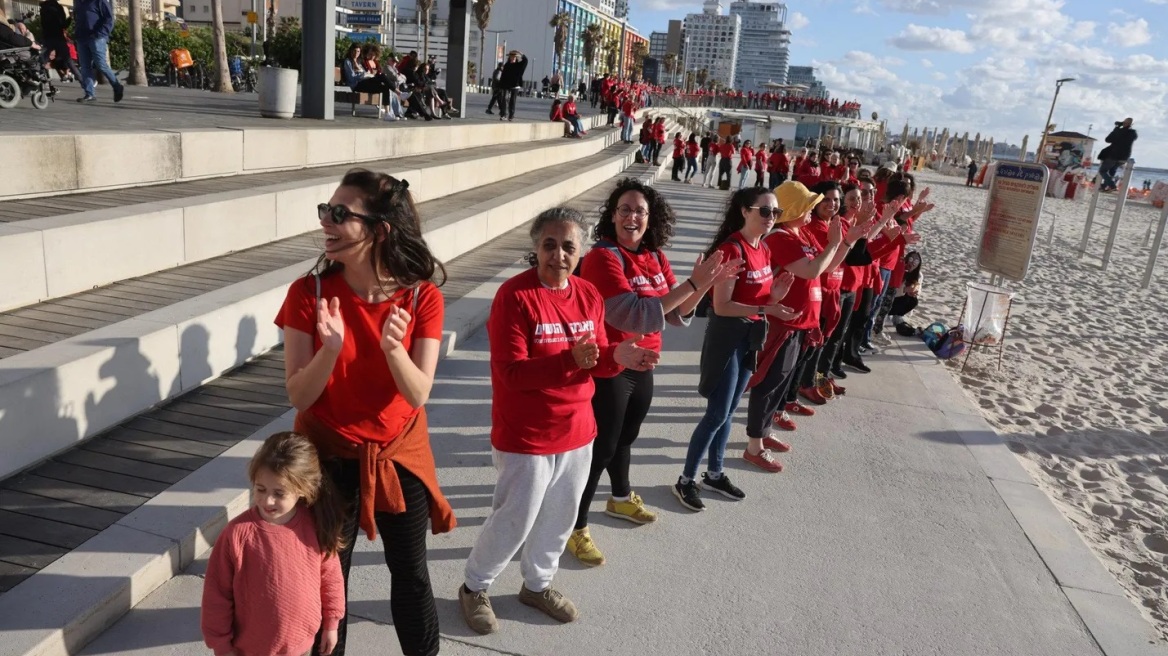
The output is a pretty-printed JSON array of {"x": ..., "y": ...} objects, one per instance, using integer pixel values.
[
  {"x": 458, "y": 41},
  {"x": 317, "y": 59}
]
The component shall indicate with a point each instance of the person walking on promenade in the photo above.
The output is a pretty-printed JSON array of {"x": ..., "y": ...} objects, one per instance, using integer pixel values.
[
  {"x": 54, "y": 37},
  {"x": 547, "y": 337},
  {"x": 641, "y": 295},
  {"x": 735, "y": 332},
  {"x": 691, "y": 157},
  {"x": 496, "y": 90},
  {"x": 274, "y": 578},
  {"x": 511, "y": 83},
  {"x": 971, "y": 173},
  {"x": 1120, "y": 140},
  {"x": 361, "y": 341},
  {"x": 93, "y": 22}
]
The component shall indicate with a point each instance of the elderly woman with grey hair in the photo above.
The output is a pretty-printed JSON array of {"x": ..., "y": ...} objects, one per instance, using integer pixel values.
[{"x": 546, "y": 331}]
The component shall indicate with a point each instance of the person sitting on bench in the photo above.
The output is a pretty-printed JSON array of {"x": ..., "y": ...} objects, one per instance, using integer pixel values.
[{"x": 361, "y": 80}]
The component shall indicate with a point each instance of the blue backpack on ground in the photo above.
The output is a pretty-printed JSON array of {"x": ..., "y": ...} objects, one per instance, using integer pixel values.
[{"x": 943, "y": 341}]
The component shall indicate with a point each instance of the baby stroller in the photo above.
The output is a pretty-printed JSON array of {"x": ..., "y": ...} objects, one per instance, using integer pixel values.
[{"x": 21, "y": 74}]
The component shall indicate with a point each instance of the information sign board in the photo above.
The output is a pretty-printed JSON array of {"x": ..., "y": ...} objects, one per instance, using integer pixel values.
[
  {"x": 1012, "y": 213},
  {"x": 363, "y": 19}
]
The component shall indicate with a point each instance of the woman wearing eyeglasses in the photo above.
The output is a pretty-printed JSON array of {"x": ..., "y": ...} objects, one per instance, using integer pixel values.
[
  {"x": 641, "y": 295},
  {"x": 361, "y": 338},
  {"x": 735, "y": 332}
]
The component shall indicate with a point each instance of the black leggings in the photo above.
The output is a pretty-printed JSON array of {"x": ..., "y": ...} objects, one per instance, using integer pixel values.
[
  {"x": 620, "y": 405},
  {"x": 834, "y": 346},
  {"x": 850, "y": 350},
  {"x": 770, "y": 395},
  {"x": 403, "y": 535}
]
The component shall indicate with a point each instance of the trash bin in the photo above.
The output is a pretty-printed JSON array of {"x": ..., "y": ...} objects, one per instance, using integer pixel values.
[
  {"x": 986, "y": 309},
  {"x": 278, "y": 92}
]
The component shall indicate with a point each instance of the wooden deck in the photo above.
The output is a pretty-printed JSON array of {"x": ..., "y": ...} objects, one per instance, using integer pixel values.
[{"x": 35, "y": 326}]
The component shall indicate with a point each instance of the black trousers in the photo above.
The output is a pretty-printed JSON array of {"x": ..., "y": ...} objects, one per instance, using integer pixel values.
[
  {"x": 496, "y": 99},
  {"x": 656, "y": 152},
  {"x": 851, "y": 347},
  {"x": 612, "y": 111},
  {"x": 620, "y": 405},
  {"x": 834, "y": 346},
  {"x": 724, "y": 170},
  {"x": 403, "y": 535},
  {"x": 511, "y": 95},
  {"x": 804, "y": 371},
  {"x": 678, "y": 165},
  {"x": 777, "y": 179},
  {"x": 769, "y": 396}
]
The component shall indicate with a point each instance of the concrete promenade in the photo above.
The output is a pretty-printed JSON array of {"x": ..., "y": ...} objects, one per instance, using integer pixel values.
[{"x": 901, "y": 526}]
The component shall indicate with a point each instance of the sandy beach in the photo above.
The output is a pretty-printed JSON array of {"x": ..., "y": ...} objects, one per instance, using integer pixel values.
[{"x": 1082, "y": 395}]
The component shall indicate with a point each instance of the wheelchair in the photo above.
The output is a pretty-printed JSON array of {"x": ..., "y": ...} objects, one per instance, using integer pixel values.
[{"x": 22, "y": 74}]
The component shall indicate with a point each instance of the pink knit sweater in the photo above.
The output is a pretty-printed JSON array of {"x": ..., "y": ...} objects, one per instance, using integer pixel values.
[{"x": 269, "y": 588}]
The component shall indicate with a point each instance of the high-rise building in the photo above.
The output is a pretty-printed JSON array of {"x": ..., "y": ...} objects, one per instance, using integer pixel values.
[
  {"x": 711, "y": 43},
  {"x": 607, "y": 7},
  {"x": 764, "y": 47},
  {"x": 658, "y": 44},
  {"x": 805, "y": 75},
  {"x": 621, "y": 9}
]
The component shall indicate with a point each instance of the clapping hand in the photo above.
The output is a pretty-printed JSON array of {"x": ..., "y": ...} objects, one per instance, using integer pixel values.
[
  {"x": 330, "y": 325},
  {"x": 708, "y": 272},
  {"x": 782, "y": 312},
  {"x": 585, "y": 351},
  {"x": 911, "y": 238},
  {"x": 393, "y": 331},
  {"x": 631, "y": 356},
  {"x": 781, "y": 286},
  {"x": 834, "y": 232}
]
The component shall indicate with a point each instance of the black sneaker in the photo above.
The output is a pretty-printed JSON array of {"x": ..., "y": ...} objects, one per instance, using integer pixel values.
[
  {"x": 858, "y": 365},
  {"x": 723, "y": 486},
  {"x": 87, "y": 99},
  {"x": 838, "y": 372},
  {"x": 119, "y": 93},
  {"x": 687, "y": 494}
]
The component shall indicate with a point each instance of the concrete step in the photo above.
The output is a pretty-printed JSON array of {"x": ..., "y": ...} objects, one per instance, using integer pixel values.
[
  {"x": 140, "y": 231},
  {"x": 73, "y": 388},
  {"x": 73, "y": 599}
]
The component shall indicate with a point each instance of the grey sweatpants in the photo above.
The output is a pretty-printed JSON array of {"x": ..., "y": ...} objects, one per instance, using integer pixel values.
[{"x": 535, "y": 506}]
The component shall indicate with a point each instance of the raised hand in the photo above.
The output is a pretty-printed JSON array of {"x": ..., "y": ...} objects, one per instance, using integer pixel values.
[
  {"x": 782, "y": 312},
  {"x": 585, "y": 351},
  {"x": 781, "y": 285},
  {"x": 834, "y": 232},
  {"x": 725, "y": 270},
  {"x": 330, "y": 325},
  {"x": 393, "y": 331},
  {"x": 923, "y": 195},
  {"x": 706, "y": 269},
  {"x": 631, "y": 356}
]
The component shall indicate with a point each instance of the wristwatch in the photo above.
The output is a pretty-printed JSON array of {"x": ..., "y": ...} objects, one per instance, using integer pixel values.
[{"x": 762, "y": 309}]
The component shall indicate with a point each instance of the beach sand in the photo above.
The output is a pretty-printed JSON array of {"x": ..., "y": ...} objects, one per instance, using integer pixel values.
[{"x": 1082, "y": 394}]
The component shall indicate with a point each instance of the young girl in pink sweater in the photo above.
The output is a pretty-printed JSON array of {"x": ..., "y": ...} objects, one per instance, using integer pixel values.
[{"x": 274, "y": 579}]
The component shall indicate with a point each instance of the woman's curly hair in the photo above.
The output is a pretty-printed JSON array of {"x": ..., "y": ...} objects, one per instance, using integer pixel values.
[{"x": 661, "y": 215}]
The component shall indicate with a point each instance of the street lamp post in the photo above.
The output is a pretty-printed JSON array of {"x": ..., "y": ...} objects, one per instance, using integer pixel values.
[
  {"x": 1046, "y": 128},
  {"x": 685, "y": 67}
]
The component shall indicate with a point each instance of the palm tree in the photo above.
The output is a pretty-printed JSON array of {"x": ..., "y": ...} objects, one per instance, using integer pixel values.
[
  {"x": 424, "y": 8},
  {"x": 701, "y": 77},
  {"x": 592, "y": 39},
  {"x": 669, "y": 62},
  {"x": 640, "y": 50},
  {"x": 137, "y": 55},
  {"x": 482, "y": 14},
  {"x": 561, "y": 22},
  {"x": 222, "y": 79},
  {"x": 611, "y": 53}
]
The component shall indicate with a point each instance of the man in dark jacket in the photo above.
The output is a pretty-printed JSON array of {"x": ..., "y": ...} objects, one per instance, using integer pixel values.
[
  {"x": 496, "y": 91},
  {"x": 1115, "y": 155},
  {"x": 54, "y": 42},
  {"x": 94, "y": 21},
  {"x": 511, "y": 82}
]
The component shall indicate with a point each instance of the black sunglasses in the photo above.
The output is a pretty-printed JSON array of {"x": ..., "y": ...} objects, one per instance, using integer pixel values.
[
  {"x": 339, "y": 213},
  {"x": 765, "y": 211}
]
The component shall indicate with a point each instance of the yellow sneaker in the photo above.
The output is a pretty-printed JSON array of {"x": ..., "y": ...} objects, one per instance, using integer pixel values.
[
  {"x": 633, "y": 510},
  {"x": 581, "y": 546}
]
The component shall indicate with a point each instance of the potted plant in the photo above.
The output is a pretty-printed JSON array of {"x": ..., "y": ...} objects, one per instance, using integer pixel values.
[{"x": 279, "y": 76}]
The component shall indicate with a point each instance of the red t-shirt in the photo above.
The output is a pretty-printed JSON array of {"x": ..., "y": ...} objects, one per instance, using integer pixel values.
[
  {"x": 760, "y": 161},
  {"x": 817, "y": 229},
  {"x": 829, "y": 172},
  {"x": 642, "y": 274},
  {"x": 569, "y": 108},
  {"x": 807, "y": 173},
  {"x": 629, "y": 108},
  {"x": 726, "y": 150},
  {"x": 754, "y": 283},
  {"x": 659, "y": 132},
  {"x": 541, "y": 401},
  {"x": 779, "y": 163},
  {"x": 361, "y": 401},
  {"x": 805, "y": 295},
  {"x": 746, "y": 159},
  {"x": 692, "y": 149},
  {"x": 678, "y": 147}
]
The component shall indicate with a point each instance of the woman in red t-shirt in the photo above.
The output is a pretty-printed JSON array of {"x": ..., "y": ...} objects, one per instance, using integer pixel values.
[
  {"x": 778, "y": 166},
  {"x": 361, "y": 338},
  {"x": 692, "y": 148},
  {"x": 760, "y": 166},
  {"x": 833, "y": 170},
  {"x": 641, "y": 295},
  {"x": 678, "y": 157},
  {"x": 745, "y": 163},
  {"x": 808, "y": 171},
  {"x": 548, "y": 341},
  {"x": 658, "y": 139},
  {"x": 726, "y": 152},
  {"x": 734, "y": 334},
  {"x": 857, "y": 210}
]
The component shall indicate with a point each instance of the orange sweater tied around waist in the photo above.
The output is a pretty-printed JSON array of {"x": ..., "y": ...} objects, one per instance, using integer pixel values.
[{"x": 380, "y": 487}]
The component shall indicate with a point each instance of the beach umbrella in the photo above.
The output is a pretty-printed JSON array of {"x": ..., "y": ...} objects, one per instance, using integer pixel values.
[
  {"x": 944, "y": 144},
  {"x": 977, "y": 146},
  {"x": 1022, "y": 157},
  {"x": 904, "y": 134},
  {"x": 990, "y": 154}
]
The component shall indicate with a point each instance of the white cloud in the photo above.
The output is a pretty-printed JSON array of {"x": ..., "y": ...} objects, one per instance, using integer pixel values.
[
  {"x": 926, "y": 63},
  {"x": 934, "y": 7},
  {"x": 863, "y": 7},
  {"x": 918, "y": 37},
  {"x": 798, "y": 21},
  {"x": 1121, "y": 13},
  {"x": 1158, "y": 2},
  {"x": 939, "y": 76},
  {"x": 1130, "y": 34},
  {"x": 680, "y": 6}
]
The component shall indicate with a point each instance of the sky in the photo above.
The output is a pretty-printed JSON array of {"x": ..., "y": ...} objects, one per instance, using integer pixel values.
[{"x": 983, "y": 65}]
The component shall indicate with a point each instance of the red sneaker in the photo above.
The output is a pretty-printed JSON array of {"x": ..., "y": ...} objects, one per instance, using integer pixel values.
[
  {"x": 796, "y": 408},
  {"x": 839, "y": 390},
  {"x": 812, "y": 394},
  {"x": 772, "y": 443},
  {"x": 783, "y": 421},
  {"x": 763, "y": 460}
]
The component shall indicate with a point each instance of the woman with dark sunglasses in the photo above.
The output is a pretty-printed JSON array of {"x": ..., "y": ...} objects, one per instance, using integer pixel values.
[{"x": 361, "y": 339}]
